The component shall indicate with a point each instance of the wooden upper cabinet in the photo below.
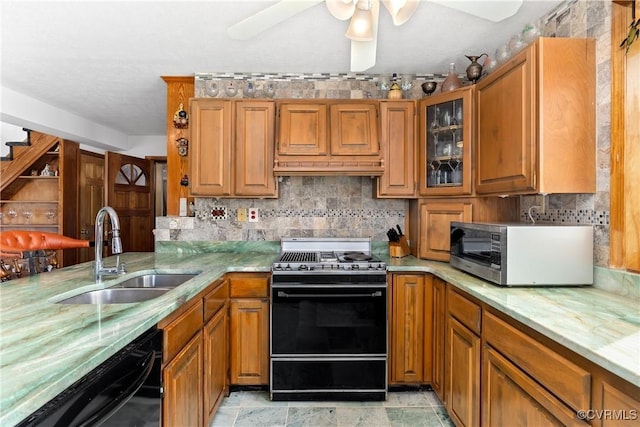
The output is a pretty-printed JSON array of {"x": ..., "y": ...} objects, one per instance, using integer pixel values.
[
  {"x": 535, "y": 126},
  {"x": 446, "y": 130},
  {"x": 231, "y": 153},
  {"x": 254, "y": 141},
  {"x": 210, "y": 147},
  {"x": 328, "y": 137},
  {"x": 398, "y": 145},
  {"x": 354, "y": 129},
  {"x": 303, "y": 130}
]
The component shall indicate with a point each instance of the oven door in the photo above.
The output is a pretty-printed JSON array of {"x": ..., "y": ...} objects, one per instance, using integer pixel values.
[{"x": 328, "y": 318}]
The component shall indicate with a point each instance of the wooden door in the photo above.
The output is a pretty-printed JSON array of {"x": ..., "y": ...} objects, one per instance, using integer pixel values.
[
  {"x": 407, "y": 328},
  {"x": 302, "y": 130},
  {"x": 253, "y": 155},
  {"x": 210, "y": 153},
  {"x": 435, "y": 219},
  {"x": 462, "y": 375},
  {"x": 439, "y": 327},
  {"x": 354, "y": 129},
  {"x": 398, "y": 144},
  {"x": 91, "y": 199},
  {"x": 249, "y": 341},
  {"x": 512, "y": 398},
  {"x": 182, "y": 402},
  {"x": 215, "y": 361},
  {"x": 129, "y": 191}
]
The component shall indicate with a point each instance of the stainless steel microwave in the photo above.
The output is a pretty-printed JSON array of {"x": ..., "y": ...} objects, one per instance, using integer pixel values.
[{"x": 524, "y": 254}]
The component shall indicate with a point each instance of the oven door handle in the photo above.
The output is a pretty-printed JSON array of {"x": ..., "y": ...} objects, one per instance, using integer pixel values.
[{"x": 283, "y": 294}]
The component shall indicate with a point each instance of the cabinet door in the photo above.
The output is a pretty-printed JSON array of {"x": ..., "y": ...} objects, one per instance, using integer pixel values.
[
  {"x": 407, "y": 328},
  {"x": 505, "y": 152},
  {"x": 462, "y": 375},
  {"x": 182, "y": 377},
  {"x": 354, "y": 129},
  {"x": 216, "y": 358},
  {"x": 249, "y": 341},
  {"x": 210, "y": 147},
  {"x": 438, "y": 325},
  {"x": 398, "y": 145},
  {"x": 435, "y": 218},
  {"x": 303, "y": 130},
  {"x": 446, "y": 123},
  {"x": 512, "y": 398},
  {"x": 254, "y": 142}
]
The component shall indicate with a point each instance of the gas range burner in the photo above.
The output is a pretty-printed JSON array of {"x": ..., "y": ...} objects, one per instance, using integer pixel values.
[{"x": 327, "y": 256}]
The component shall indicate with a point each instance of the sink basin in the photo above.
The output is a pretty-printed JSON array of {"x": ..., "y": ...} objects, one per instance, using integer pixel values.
[
  {"x": 115, "y": 296},
  {"x": 155, "y": 280}
]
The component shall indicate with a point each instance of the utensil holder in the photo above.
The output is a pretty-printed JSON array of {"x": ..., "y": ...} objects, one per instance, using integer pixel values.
[{"x": 399, "y": 249}]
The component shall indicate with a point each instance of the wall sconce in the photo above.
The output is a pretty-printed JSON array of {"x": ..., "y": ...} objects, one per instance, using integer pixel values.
[
  {"x": 183, "y": 146},
  {"x": 181, "y": 118}
]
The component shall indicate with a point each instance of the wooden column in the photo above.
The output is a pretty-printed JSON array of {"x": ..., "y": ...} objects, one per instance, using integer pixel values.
[{"x": 179, "y": 90}]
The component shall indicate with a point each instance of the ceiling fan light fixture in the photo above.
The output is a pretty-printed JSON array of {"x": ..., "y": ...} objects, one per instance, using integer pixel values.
[
  {"x": 400, "y": 10},
  {"x": 341, "y": 9},
  {"x": 360, "y": 28}
]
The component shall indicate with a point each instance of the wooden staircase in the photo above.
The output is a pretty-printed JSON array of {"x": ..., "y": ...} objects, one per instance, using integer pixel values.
[{"x": 24, "y": 155}]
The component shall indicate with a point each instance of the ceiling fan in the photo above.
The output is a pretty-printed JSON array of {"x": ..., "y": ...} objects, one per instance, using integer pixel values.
[{"x": 363, "y": 16}]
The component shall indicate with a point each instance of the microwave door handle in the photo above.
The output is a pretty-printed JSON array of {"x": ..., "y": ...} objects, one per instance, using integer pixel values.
[
  {"x": 283, "y": 294},
  {"x": 105, "y": 411}
]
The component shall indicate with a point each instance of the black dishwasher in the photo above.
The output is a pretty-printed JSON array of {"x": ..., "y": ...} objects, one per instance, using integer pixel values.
[{"x": 123, "y": 391}]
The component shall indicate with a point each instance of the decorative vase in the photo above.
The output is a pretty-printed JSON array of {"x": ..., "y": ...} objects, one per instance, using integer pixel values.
[
  {"x": 474, "y": 70},
  {"x": 452, "y": 81}
]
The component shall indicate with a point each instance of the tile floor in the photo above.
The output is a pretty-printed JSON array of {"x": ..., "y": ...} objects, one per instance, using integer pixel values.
[{"x": 254, "y": 409}]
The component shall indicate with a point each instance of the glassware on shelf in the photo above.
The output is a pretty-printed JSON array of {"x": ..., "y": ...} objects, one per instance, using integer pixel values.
[
  {"x": 456, "y": 174},
  {"x": 50, "y": 216},
  {"x": 269, "y": 89},
  {"x": 249, "y": 90},
  {"x": 383, "y": 82},
  {"x": 27, "y": 214},
  {"x": 212, "y": 89},
  {"x": 531, "y": 31},
  {"x": 503, "y": 54},
  {"x": 1, "y": 216},
  {"x": 12, "y": 214}
]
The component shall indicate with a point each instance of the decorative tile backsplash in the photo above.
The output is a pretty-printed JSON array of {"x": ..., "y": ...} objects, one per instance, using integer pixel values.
[{"x": 344, "y": 206}]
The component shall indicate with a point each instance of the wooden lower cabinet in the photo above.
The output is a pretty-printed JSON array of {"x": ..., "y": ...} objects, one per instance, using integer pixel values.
[
  {"x": 462, "y": 374},
  {"x": 249, "y": 328},
  {"x": 250, "y": 342},
  {"x": 216, "y": 362},
  {"x": 511, "y": 398},
  {"x": 182, "y": 379},
  {"x": 439, "y": 332},
  {"x": 407, "y": 329}
]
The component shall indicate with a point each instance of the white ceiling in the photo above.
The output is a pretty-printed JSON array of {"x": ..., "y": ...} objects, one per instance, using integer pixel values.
[{"x": 102, "y": 60}]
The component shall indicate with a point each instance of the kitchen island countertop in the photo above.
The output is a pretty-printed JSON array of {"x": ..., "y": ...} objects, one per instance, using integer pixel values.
[{"x": 46, "y": 347}]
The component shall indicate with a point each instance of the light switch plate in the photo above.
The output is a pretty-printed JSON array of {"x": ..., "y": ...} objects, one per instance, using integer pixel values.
[{"x": 242, "y": 214}]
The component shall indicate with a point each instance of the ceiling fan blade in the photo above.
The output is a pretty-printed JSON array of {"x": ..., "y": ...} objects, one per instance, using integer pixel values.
[
  {"x": 269, "y": 17},
  {"x": 363, "y": 54},
  {"x": 493, "y": 10}
]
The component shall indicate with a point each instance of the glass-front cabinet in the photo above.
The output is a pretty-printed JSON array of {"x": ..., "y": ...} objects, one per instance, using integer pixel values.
[{"x": 445, "y": 143}]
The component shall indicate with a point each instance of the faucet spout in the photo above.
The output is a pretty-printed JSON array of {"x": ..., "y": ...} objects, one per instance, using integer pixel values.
[{"x": 116, "y": 242}]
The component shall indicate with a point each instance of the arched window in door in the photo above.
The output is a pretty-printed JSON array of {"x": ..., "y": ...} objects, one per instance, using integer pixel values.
[{"x": 130, "y": 174}]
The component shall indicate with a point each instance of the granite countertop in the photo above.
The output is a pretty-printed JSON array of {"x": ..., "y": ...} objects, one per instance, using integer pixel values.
[{"x": 46, "y": 347}]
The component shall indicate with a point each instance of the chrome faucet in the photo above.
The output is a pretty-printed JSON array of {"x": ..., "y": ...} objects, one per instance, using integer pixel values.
[{"x": 116, "y": 243}]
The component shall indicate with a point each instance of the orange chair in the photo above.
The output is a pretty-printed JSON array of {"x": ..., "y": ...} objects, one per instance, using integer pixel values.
[{"x": 14, "y": 242}]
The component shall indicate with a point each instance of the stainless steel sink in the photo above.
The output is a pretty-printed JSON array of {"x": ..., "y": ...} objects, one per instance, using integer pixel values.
[
  {"x": 116, "y": 296},
  {"x": 155, "y": 280}
]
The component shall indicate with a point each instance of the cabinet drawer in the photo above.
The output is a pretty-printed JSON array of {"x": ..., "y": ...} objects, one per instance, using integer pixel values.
[
  {"x": 215, "y": 300},
  {"x": 177, "y": 333},
  {"x": 249, "y": 285},
  {"x": 561, "y": 377},
  {"x": 467, "y": 312}
]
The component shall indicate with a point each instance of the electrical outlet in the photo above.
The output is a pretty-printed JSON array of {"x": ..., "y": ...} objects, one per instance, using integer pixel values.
[
  {"x": 253, "y": 215},
  {"x": 242, "y": 214}
]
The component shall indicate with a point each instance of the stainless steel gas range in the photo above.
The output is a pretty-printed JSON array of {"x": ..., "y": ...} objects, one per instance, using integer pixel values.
[{"x": 328, "y": 323}]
